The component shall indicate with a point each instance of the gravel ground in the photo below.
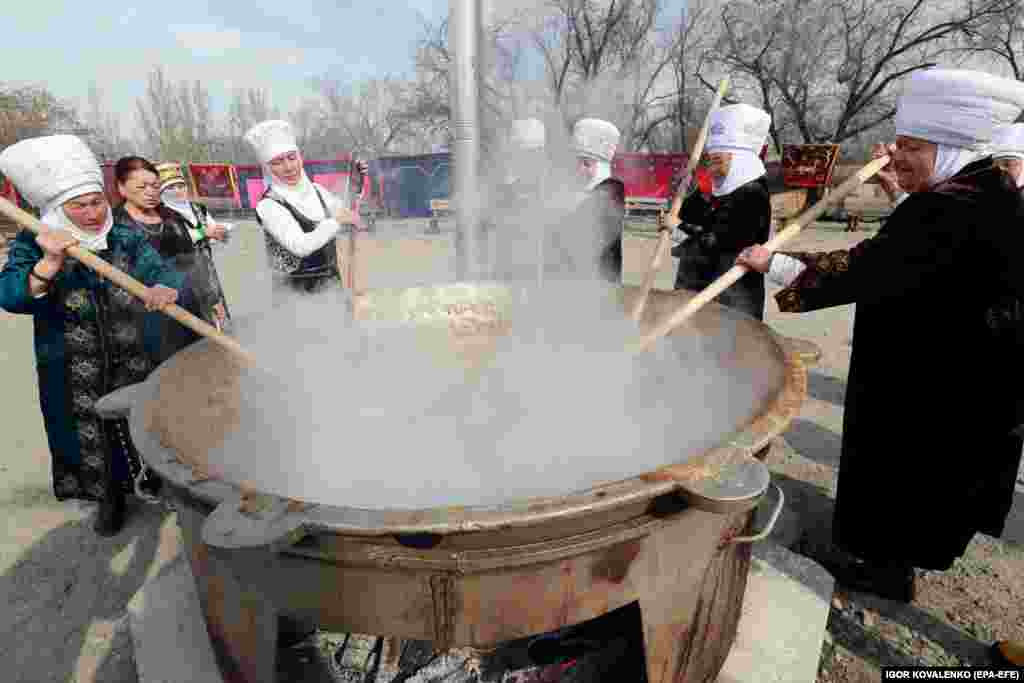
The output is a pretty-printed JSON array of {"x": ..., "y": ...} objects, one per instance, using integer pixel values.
[{"x": 65, "y": 591}]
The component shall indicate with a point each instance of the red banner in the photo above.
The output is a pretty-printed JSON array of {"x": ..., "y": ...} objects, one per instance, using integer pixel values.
[
  {"x": 215, "y": 182},
  {"x": 654, "y": 176},
  {"x": 110, "y": 185},
  {"x": 8, "y": 192},
  {"x": 808, "y": 165}
]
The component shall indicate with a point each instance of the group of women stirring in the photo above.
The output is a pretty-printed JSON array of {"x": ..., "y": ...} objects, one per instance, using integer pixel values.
[{"x": 92, "y": 337}]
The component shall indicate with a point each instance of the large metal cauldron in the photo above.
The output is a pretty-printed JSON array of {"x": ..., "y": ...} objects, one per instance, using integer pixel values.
[{"x": 675, "y": 541}]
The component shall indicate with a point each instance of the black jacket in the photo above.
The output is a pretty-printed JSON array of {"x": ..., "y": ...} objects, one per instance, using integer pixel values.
[
  {"x": 932, "y": 390},
  {"x": 599, "y": 252},
  {"x": 176, "y": 247},
  {"x": 719, "y": 228}
]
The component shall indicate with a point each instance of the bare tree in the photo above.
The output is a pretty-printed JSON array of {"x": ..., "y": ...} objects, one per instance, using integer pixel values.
[
  {"x": 158, "y": 116},
  {"x": 666, "y": 109},
  {"x": 825, "y": 69},
  {"x": 309, "y": 121},
  {"x": 371, "y": 117},
  {"x": 587, "y": 45},
  {"x": 248, "y": 107},
  {"x": 1003, "y": 38},
  {"x": 28, "y": 111},
  {"x": 177, "y": 122},
  {"x": 429, "y": 103},
  {"x": 104, "y": 127}
]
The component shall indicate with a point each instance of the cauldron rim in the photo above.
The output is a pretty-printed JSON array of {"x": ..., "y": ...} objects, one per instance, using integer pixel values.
[{"x": 288, "y": 516}]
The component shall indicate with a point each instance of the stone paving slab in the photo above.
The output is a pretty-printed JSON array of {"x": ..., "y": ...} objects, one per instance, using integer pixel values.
[
  {"x": 782, "y": 625},
  {"x": 1014, "y": 529},
  {"x": 168, "y": 632}
]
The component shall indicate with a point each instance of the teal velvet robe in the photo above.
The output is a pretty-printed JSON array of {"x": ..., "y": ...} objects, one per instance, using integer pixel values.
[{"x": 90, "y": 339}]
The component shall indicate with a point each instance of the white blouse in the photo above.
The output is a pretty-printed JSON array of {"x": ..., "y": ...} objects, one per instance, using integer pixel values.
[
  {"x": 280, "y": 223},
  {"x": 783, "y": 269}
]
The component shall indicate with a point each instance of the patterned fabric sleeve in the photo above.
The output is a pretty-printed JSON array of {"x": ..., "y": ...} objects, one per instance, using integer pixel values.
[
  {"x": 928, "y": 242},
  {"x": 823, "y": 283},
  {"x": 14, "y": 288}
]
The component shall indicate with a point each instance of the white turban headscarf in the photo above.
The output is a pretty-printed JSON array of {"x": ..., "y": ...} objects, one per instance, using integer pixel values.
[
  {"x": 52, "y": 170},
  {"x": 957, "y": 110},
  {"x": 93, "y": 241},
  {"x": 1008, "y": 143},
  {"x": 742, "y": 131},
  {"x": 271, "y": 139}
]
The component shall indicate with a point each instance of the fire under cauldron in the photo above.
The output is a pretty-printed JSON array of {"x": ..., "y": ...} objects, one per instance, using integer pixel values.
[{"x": 674, "y": 543}]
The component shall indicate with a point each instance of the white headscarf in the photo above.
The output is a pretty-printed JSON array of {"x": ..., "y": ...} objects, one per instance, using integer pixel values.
[
  {"x": 1008, "y": 143},
  {"x": 55, "y": 217},
  {"x": 951, "y": 160},
  {"x": 602, "y": 172},
  {"x": 302, "y": 195},
  {"x": 744, "y": 167},
  {"x": 171, "y": 200}
]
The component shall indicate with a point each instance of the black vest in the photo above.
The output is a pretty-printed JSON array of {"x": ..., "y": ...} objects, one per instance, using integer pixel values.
[{"x": 305, "y": 274}]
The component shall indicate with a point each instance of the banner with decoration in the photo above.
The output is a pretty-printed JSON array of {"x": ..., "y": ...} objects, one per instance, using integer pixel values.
[
  {"x": 808, "y": 166},
  {"x": 215, "y": 183},
  {"x": 110, "y": 184},
  {"x": 408, "y": 184},
  {"x": 403, "y": 186},
  {"x": 9, "y": 192},
  {"x": 250, "y": 185},
  {"x": 332, "y": 175},
  {"x": 654, "y": 176}
]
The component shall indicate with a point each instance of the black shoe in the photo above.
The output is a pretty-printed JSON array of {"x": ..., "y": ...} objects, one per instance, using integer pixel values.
[
  {"x": 1004, "y": 653},
  {"x": 291, "y": 632},
  {"x": 894, "y": 582},
  {"x": 551, "y": 649},
  {"x": 110, "y": 518},
  {"x": 151, "y": 484}
]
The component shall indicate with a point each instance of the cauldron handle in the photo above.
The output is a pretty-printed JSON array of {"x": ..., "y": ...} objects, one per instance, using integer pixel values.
[
  {"x": 270, "y": 523},
  {"x": 119, "y": 403},
  {"x": 769, "y": 527}
]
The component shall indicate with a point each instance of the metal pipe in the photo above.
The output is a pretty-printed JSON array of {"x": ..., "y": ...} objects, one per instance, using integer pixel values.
[{"x": 464, "y": 34}]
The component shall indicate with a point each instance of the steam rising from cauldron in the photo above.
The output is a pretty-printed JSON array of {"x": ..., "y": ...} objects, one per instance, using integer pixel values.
[{"x": 381, "y": 417}]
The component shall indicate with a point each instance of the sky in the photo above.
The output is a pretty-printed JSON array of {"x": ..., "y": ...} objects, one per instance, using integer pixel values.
[
  {"x": 229, "y": 44},
  {"x": 274, "y": 44}
]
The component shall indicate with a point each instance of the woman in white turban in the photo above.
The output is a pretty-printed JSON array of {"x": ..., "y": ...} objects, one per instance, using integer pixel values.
[
  {"x": 1008, "y": 152},
  {"x": 737, "y": 215},
  {"x": 593, "y": 248},
  {"x": 300, "y": 218},
  {"x": 516, "y": 236},
  {"x": 929, "y": 400},
  {"x": 88, "y": 331}
]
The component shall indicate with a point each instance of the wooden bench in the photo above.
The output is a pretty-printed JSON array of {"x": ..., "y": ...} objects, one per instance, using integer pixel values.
[
  {"x": 868, "y": 202},
  {"x": 646, "y": 207},
  {"x": 440, "y": 208}
]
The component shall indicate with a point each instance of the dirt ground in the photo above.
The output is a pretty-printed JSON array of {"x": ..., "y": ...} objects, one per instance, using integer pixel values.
[{"x": 64, "y": 591}]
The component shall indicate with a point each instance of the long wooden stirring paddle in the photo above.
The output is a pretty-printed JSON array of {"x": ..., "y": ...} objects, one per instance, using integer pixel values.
[
  {"x": 352, "y": 202},
  {"x": 677, "y": 202},
  {"x": 683, "y": 313},
  {"x": 125, "y": 281}
]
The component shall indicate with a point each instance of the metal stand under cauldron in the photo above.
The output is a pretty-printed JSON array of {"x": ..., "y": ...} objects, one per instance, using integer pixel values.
[{"x": 477, "y": 577}]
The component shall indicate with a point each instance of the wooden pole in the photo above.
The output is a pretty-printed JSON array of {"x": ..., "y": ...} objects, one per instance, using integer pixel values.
[
  {"x": 682, "y": 314},
  {"x": 677, "y": 202},
  {"x": 125, "y": 281}
]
